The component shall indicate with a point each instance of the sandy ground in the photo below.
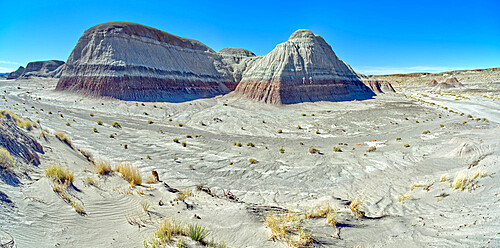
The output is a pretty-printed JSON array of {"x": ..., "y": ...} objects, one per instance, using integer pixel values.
[{"x": 434, "y": 214}]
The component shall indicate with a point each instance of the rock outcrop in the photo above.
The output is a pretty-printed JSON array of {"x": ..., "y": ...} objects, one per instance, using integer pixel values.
[
  {"x": 453, "y": 82},
  {"x": 433, "y": 83},
  {"x": 130, "y": 61},
  {"x": 17, "y": 73},
  {"x": 18, "y": 143},
  {"x": 378, "y": 86},
  {"x": 48, "y": 68},
  {"x": 303, "y": 69}
]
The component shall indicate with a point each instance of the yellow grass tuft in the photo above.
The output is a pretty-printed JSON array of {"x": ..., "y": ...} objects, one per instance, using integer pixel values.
[
  {"x": 129, "y": 173},
  {"x": 59, "y": 175},
  {"x": 404, "y": 197},
  {"x": 6, "y": 160},
  {"x": 465, "y": 179},
  {"x": 62, "y": 137},
  {"x": 443, "y": 178},
  {"x": 277, "y": 225},
  {"x": 102, "y": 167},
  {"x": 355, "y": 207},
  {"x": 416, "y": 185}
]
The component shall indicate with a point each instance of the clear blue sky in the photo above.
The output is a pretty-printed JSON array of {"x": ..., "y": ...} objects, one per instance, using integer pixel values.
[{"x": 372, "y": 36}]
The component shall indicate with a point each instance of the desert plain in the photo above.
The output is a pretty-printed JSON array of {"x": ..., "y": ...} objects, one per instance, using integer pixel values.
[{"x": 414, "y": 168}]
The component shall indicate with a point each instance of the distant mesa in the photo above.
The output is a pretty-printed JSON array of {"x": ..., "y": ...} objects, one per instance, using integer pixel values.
[
  {"x": 44, "y": 69},
  {"x": 130, "y": 61}
]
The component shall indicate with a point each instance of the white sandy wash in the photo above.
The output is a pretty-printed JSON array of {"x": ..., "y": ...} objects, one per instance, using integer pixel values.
[{"x": 401, "y": 153}]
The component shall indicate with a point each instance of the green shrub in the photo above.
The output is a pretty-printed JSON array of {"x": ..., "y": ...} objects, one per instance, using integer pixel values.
[
  {"x": 313, "y": 150},
  {"x": 183, "y": 143},
  {"x": 282, "y": 150},
  {"x": 197, "y": 232},
  {"x": 117, "y": 125},
  {"x": 337, "y": 149},
  {"x": 150, "y": 122},
  {"x": 99, "y": 122},
  {"x": 407, "y": 145},
  {"x": 280, "y": 131},
  {"x": 252, "y": 161}
]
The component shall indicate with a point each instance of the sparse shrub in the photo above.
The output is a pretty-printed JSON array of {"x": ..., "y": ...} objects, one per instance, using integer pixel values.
[
  {"x": 313, "y": 150},
  {"x": 303, "y": 114},
  {"x": 189, "y": 136},
  {"x": 441, "y": 125},
  {"x": 398, "y": 139},
  {"x": 50, "y": 112},
  {"x": 317, "y": 132},
  {"x": 299, "y": 127},
  {"x": 111, "y": 136},
  {"x": 91, "y": 115},
  {"x": 59, "y": 175},
  {"x": 62, "y": 137},
  {"x": 148, "y": 157},
  {"x": 250, "y": 144},
  {"x": 6, "y": 160},
  {"x": 282, "y": 150},
  {"x": 252, "y": 161},
  {"x": 426, "y": 132},
  {"x": 469, "y": 116},
  {"x": 129, "y": 172},
  {"x": 116, "y": 125},
  {"x": 181, "y": 195},
  {"x": 180, "y": 124},
  {"x": 280, "y": 131},
  {"x": 239, "y": 144},
  {"x": 95, "y": 130},
  {"x": 176, "y": 140},
  {"x": 150, "y": 122},
  {"x": 99, "y": 122},
  {"x": 183, "y": 143},
  {"x": 301, "y": 143},
  {"x": 102, "y": 167},
  {"x": 464, "y": 122},
  {"x": 337, "y": 149},
  {"x": 407, "y": 145},
  {"x": 68, "y": 124},
  {"x": 372, "y": 149}
]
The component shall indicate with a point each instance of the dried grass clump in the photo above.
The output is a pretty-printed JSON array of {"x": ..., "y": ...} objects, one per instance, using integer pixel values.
[
  {"x": 59, "y": 175},
  {"x": 466, "y": 179},
  {"x": 288, "y": 227},
  {"x": 355, "y": 207},
  {"x": 319, "y": 211},
  {"x": 102, "y": 167},
  {"x": 6, "y": 160},
  {"x": 443, "y": 178},
  {"x": 129, "y": 172},
  {"x": 62, "y": 137}
]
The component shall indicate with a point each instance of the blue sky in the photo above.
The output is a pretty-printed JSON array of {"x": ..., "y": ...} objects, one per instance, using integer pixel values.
[{"x": 374, "y": 37}]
